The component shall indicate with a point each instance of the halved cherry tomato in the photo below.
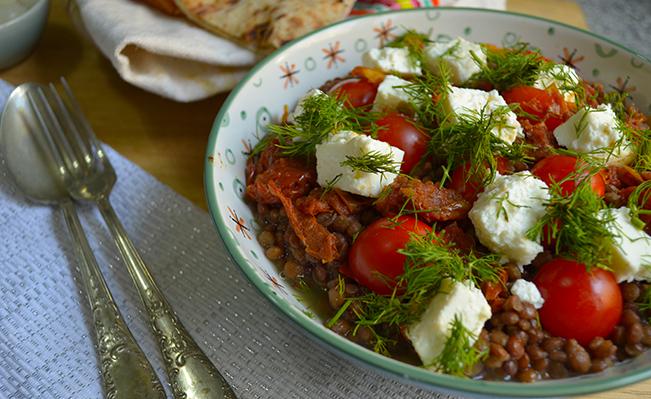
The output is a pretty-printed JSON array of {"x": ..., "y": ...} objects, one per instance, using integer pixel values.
[
  {"x": 374, "y": 261},
  {"x": 542, "y": 104},
  {"x": 356, "y": 92},
  {"x": 398, "y": 131},
  {"x": 558, "y": 167},
  {"x": 578, "y": 304},
  {"x": 470, "y": 186}
]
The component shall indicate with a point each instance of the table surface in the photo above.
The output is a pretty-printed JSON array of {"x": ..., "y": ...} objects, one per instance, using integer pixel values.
[{"x": 167, "y": 138}]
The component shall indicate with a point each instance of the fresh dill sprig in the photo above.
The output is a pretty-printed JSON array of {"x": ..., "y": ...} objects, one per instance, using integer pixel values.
[
  {"x": 644, "y": 302},
  {"x": 458, "y": 355},
  {"x": 582, "y": 123},
  {"x": 339, "y": 313},
  {"x": 341, "y": 285},
  {"x": 330, "y": 184},
  {"x": 430, "y": 92},
  {"x": 372, "y": 162},
  {"x": 429, "y": 261},
  {"x": 503, "y": 201},
  {"x": 643, "y": 150},
  {"x": 260, "y": 146},
  {"x": 575, "y": 224},
  {"x": 565, "y": 82},
  {"x": 637, "y": 201},
  {"x": 431, "y": 251},
  {"x": 618, "y": 101},
  {"x": 468, "y": 138},
  {"x": 509, "y": 67},
  {"x": 413, "y": 41},
  {"x": 322, "y": 116},
  {"x": 630, "y": 140}
]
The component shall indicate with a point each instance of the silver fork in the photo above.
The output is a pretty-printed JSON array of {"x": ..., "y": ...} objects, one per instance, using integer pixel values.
[{"x": 88, "y": 175}]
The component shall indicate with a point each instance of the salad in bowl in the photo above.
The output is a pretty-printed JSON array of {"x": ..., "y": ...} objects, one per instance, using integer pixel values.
[{"x": 467, "y": 207}]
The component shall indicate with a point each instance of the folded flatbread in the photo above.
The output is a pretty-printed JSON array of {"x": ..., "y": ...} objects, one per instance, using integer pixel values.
[{"x": 264, "y": 24}]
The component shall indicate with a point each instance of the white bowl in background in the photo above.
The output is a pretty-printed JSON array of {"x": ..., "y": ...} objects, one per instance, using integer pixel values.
[{"x": 19, "y": 35}]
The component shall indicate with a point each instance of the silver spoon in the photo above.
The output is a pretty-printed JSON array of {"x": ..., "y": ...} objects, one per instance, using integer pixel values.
[
  {"x": 126, "y": 372},
  {"x": 87, "y": 175}
]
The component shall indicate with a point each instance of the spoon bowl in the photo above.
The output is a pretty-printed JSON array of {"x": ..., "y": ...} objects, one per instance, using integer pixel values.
[
  {"x": 29, "y": 166},
  {"x": 125, "y": 370}
]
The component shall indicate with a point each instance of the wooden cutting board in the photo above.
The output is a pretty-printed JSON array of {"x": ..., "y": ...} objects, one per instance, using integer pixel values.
[{"x": 167, "y": 138}]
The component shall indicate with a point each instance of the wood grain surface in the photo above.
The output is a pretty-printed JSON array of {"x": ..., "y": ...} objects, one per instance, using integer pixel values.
[{"x": 167, "y": 138}]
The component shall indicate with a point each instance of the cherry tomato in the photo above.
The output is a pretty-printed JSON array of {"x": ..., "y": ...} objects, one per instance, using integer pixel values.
[
  {"x": 400, "y": 132},
  {"x": 373, "y": 259},
  {"x": 578, "y": 304},
  {"x": 356, "y": 92},
  {"x": 558, "y": 167},
  {"x": 542, "y": 104},
  {"x": 470, "y": 186}
]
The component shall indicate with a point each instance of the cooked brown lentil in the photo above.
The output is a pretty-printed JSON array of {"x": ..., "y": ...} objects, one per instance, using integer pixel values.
[{"x": 517, "y": 347}]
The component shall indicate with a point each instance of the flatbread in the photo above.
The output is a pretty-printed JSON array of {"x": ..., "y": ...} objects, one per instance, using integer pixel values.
[
  {"x": 295, "y": 18},
  {"x": 264, "y": 24}
]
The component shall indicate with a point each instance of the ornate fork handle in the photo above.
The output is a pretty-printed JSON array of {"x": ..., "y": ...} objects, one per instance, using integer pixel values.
[
  {"x": 126, "y": 373},
  {"x": 191, "y": 374}
]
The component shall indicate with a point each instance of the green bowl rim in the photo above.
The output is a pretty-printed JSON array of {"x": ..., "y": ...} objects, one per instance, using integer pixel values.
[{"x": 414, "y": 374}]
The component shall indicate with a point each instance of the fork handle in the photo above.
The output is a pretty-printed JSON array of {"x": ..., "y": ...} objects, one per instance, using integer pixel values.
[
  {"x": 191, "y": 374},
  {"x": 126, "y": 372}
]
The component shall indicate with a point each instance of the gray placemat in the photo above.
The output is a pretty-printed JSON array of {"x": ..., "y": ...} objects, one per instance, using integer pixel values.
[
  {"x": 46, "y": 344},
  {"x": 625, "y": 21}
]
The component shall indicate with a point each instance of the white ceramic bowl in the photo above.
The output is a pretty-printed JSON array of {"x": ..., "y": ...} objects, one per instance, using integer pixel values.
[
  {"x": 19, "y": 35},
  {"x": 280, "y": 79}
]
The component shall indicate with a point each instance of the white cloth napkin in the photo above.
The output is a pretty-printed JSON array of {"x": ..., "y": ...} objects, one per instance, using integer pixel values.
[
  {"x": 46, "y": 344},
  {"x": 165, "y": 55},
  {"x": 171, "y": 56}
]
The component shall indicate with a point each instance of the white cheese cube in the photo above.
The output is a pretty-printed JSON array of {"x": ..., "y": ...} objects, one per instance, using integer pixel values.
[
  {"x": 464, "y": 300},
  {"x": 527, "y": 292},
  {"x": 298, "y": 110},
  {"x": 391, "y": 60},
  {"x": 332, "y": 152},
  {"x": 564, "y": 77},
  {"x": 595, "y": 131},
  {"x": 455, "y": 56},
  {"x": 507, "y": 209},
  {"x": 631, "y": 254},
  {"x": 392, "y": 97},
  {"x": 462, "y": 101}
]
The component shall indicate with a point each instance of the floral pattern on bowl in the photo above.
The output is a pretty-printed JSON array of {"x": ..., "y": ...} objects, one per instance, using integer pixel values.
[{"x": 276, "y": 83}]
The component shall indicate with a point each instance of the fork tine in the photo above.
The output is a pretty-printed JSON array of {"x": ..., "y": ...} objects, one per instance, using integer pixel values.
[
  {"x": 86, "y": 129},
  {"x": 80, "y": 147},
  {"x": 57, "y": 145}
]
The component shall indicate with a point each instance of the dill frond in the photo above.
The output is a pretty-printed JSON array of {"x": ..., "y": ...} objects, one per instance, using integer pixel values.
[
  {"x": 575, "y": 224},
  {"x": 644, "y": 302},
  {"x": 637, "y": 201},
  {"x": 468, "y": 138},
  {"x": 458, "y": 355},
  {"x": 429, "y": 261},
  {"x": 261, "y": 145},
  {"x": 322, "y": 116},
  {"x": 413, "y": 41},
  {"x": 430, "y": 92},
  {"x": 372, "y": 162},
  {"x": 509, "y": 67},
  {"x": 642, "y": 138},
  {"x": 618, "y": 102}
]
